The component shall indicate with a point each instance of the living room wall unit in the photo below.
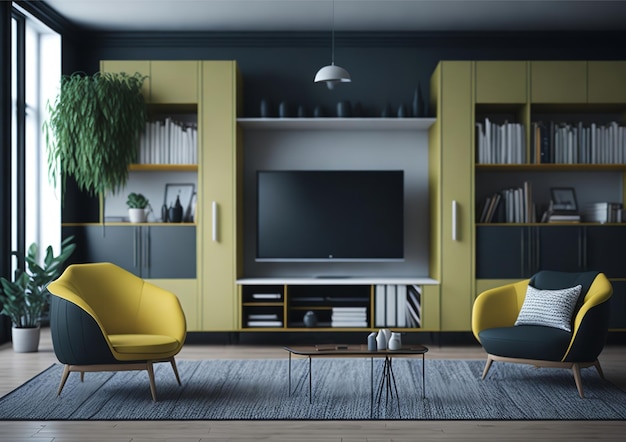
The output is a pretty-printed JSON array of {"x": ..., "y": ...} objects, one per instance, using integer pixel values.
[
  {"x": 194, "y": 259},
  {"x": 579, "y": 93},
  {"x": 276, "y": 295}
]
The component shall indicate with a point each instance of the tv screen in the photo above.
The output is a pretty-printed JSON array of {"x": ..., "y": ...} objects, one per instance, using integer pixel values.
[{"x": 330, "y": 215}]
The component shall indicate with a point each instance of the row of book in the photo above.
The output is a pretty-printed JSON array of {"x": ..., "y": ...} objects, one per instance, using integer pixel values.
[
  {"x": 604, "y": 212},
  {"x": 168, "y": 142},
  {"x": 263, "y": 320},
  {"x": 500, "y": 143},
  {"x": 348, "y": 317},
  {"x": 514, "y": 205},
  {"x": 398, "y": 306},
  {"x": 579, "y": 143}
]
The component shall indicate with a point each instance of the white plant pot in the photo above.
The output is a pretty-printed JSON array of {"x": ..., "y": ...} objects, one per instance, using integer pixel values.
[
  {"x": 26, "y": 340},
  {"x": 137, "y": 215}
]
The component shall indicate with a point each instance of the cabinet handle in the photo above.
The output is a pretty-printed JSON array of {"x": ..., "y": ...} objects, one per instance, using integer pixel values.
[
  {"x": 146, "y": 249},
  {"x": 214, "y": 230},
  {"x": 454, "y": 220}
]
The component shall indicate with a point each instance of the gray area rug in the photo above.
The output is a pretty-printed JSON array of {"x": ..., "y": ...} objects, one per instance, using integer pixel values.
[{"x": 258, "y": 389}]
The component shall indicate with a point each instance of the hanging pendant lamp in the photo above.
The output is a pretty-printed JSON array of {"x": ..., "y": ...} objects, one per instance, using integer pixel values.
[{"x": 332, "y": 74}]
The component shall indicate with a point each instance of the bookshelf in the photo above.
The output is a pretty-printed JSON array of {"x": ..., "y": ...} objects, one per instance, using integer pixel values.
[{"x": 571, "y": 127}]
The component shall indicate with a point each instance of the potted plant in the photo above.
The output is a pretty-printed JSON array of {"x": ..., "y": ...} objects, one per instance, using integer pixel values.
[
  {"x": 137, "y": 204},
  {"x": 94, "y": 129},
  {"x": 25, "y": 299}
]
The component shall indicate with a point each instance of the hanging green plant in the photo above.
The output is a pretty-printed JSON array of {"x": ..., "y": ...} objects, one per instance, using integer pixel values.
[{"x": 93, "y": 130}]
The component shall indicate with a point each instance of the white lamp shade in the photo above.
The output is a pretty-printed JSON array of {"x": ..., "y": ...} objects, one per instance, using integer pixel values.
[{"x": 332, "y": 74}]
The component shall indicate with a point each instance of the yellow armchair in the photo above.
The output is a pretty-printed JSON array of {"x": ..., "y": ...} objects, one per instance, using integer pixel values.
[
  {"x": 104, "y": 318},
  {"x": 495, "y": 312}
]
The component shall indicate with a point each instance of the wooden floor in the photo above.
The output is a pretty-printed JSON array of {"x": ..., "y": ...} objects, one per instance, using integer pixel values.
[{"x": 17, "y": 368}]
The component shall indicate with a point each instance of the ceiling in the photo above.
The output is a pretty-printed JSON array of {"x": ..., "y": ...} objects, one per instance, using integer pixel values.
[{"x": 349, "y": 15}]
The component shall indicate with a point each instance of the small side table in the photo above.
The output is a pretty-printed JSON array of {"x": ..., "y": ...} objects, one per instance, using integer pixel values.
[{"x": 361, "y": 351}]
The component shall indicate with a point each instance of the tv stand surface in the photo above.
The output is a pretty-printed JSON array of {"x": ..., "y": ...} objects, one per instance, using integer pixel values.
[{"x": 340, "y": 279}]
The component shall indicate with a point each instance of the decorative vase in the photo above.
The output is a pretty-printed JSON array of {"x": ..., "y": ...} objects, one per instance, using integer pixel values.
[
  {"x": 402, "y": 111},
  {"x": 344, "y": 109},
  {"x": 387, "y": 333},
  {"x": 415, "y": 105},
  {"x": 395, "y": 342},
  {"x": 175, "y": 214},
  {"x": 371, "y": 341},
  {"x": 381, "y": 340},
  {"x": 164, "y": 214},
  {"x": 283, "y": 110},
  {"x": 137, "y": 215},
  {"x": 310, "y": 320},
  {"x": 302, "y": 113},
  {"x": 25, "y": 340},
  {"x": 319, "y": 112},
  {"x": 266, "y": 108}
]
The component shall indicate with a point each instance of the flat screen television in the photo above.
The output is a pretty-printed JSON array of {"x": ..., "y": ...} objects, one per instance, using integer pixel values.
[{"x": 346, "y": 215}]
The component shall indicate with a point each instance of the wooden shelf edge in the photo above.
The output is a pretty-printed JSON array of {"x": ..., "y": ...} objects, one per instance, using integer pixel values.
[
  {"x": 550, "y": 167},
  {"x": 163, "y": 167},
  {"x": 333, "y": 123}
]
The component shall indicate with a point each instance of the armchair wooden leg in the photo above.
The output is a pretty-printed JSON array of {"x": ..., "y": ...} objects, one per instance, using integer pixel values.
[
  {"x": 150, "y": 369},
  {"x": 487, "y": 366},
  {"x": 66, "y": 373},
  {"x": 598, "y": 368},
  {"x": 173, "y": 362},
  {"x": 578, "y": 380}
]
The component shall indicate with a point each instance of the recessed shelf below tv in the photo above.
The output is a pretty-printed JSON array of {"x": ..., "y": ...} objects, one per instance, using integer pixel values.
[{"x": 336, "y": 123}]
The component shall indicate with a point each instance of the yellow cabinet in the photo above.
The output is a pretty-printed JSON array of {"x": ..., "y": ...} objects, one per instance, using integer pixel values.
[
  {"x": 501, "y": 81},
  {"x": 130, "y": 67},
  {"x": 558, "y": 82},
  {"x": 451, "y": 166},
  {"x": 174, "y": 82},
  {"x": 607, "y": 82},
  {"x": 187, "y": 292},
  {"x": 168, "y": 82},
  {"x": 218, "y": 189}
]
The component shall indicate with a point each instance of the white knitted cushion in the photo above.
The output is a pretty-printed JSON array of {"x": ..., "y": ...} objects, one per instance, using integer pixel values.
[{"x": 551, "y": 308}]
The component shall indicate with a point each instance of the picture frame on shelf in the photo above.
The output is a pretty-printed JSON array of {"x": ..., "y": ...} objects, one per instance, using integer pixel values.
[
  {"x": 564, "y": 199},
  {"x": 184, "y": 191}
]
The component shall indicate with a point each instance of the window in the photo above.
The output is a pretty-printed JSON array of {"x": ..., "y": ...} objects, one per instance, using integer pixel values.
[{"x": 36, "y": 72}]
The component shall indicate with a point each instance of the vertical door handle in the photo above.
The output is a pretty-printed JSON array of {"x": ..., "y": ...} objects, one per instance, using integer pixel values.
[
  {"x": 454, "y": 220},
  {"x": 215, "y": 219}
]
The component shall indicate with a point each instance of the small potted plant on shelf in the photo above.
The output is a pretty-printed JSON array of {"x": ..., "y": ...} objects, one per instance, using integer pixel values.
[
  {"x": 25, "y": 299},
  {"x": 137, "y": 204}
]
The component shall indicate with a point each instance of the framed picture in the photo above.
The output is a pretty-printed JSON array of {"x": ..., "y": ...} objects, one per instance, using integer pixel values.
[
  {"x": 564, "y": 198},
  {"x": 183, "y": 191}
]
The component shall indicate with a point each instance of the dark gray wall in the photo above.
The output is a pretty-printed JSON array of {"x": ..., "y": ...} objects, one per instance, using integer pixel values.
[{"x": 385, "y": 67}]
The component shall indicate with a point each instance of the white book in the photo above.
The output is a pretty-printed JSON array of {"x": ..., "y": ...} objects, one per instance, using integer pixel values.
[
  {"x": 379, "y": 306},
  {"x": 401, "y": 306},
  {"x": 391, "y": 305}
]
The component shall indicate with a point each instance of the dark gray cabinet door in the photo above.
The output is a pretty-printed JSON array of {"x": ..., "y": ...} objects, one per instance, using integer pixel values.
[
  {"x": 169, "y": 252},
  {"x": 606, "y": 250},
  {"x": 115, "y": 244},
  {"x": 502, "y": 252},
  {"x": 618, "y": 305},
  {"x": 558, "y": 248},
  {"x": 146, "y": 251}
]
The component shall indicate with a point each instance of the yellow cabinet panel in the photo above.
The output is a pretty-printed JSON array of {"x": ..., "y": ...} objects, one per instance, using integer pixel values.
[
  {"x": 501, "y": 81},
  {"x": 431, "y": 307},
  {"x": 558, "y": 81},
  {"x": 174, "y": 82},
  {"x": 187, "y": 292},
  {"x": 607, "y": 82},
  {"x": 217, "y": 192},
  {"x": 455, "y": 117},
  {"x": 130, "y": 67}
]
